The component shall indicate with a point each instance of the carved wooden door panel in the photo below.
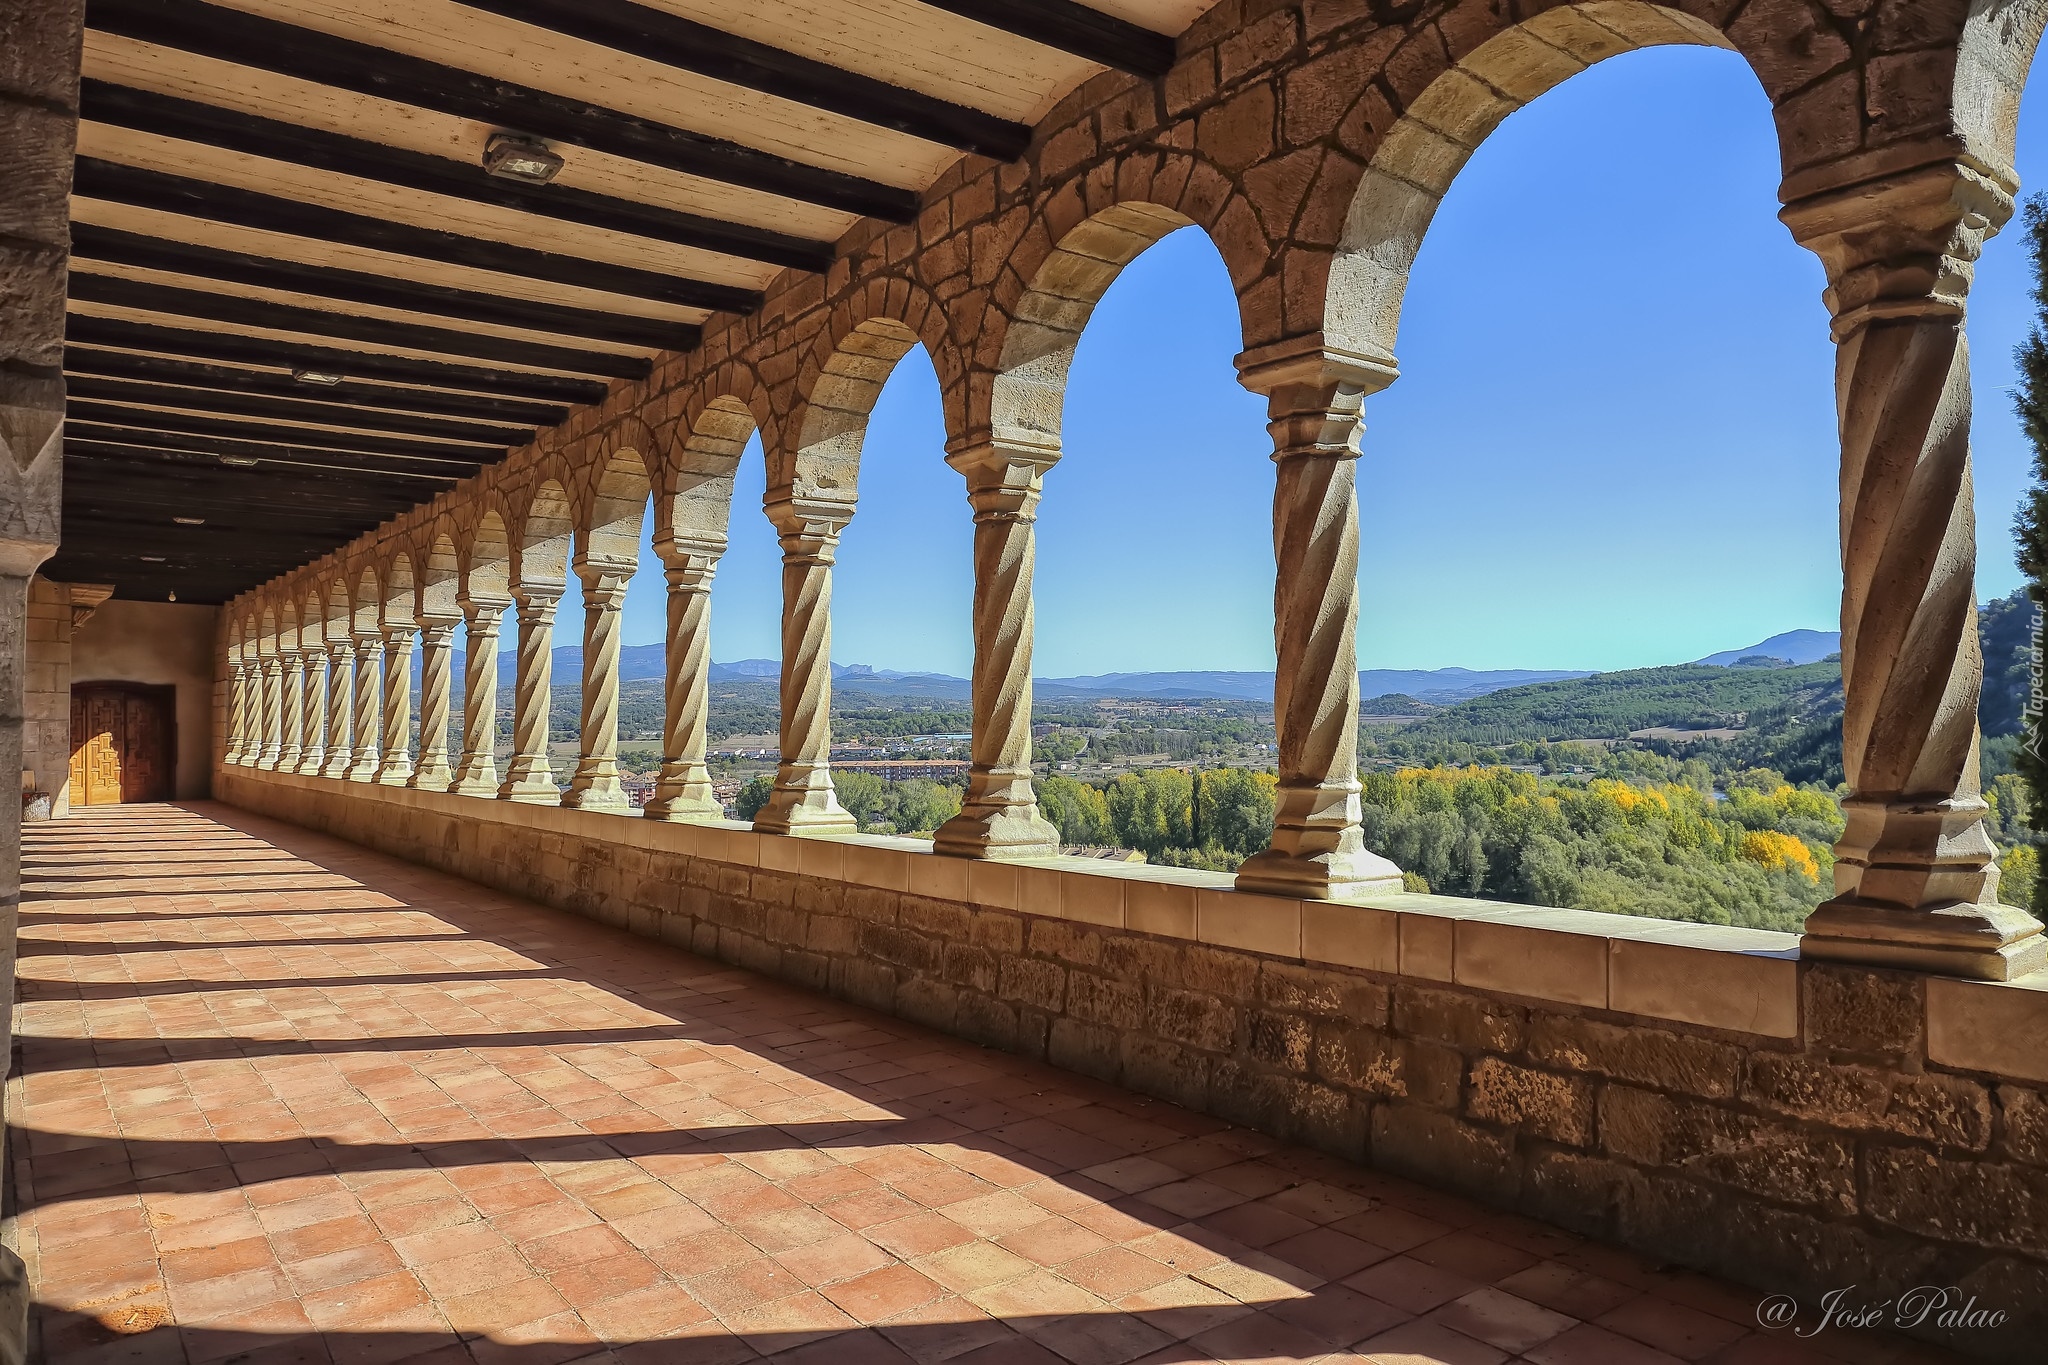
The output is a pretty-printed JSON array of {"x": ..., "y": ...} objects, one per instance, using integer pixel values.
[
  {"x": 79, "y": 741},
  {"x": 145, "y": 757},
  {"x": 105, "y": 719}
]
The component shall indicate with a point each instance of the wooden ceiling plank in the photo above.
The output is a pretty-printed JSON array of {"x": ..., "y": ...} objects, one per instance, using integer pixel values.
[
  {"x": 288, "y": 49},
  {"x": 661, "y": 36},
  {"x": 85, "y": 411},
  {"x": 1070, "y": 27},
  {"x": 240, "y": 311},
  {"x": 225, "y": 346},
  {"x": 117, "y": 428},
  {"x": 350, "y": 393},
  {"x": 290, "y": 410},
  {"x": 116, "y": 246},
  {"x": 116, "y": 183},
  {"x": 190, "y": 121}
]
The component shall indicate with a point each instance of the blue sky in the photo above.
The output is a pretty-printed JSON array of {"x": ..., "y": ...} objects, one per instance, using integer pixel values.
[{"x": 1612, "y": 444}]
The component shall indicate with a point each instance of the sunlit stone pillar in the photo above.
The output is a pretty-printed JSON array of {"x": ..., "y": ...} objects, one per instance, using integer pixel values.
[
  {"x": 231, "y": 754},
  {"x": 529, "y": 777},
  {"x": 396, "y": 769},
  {"x": 437, "y": 636},
  {"x": 595, "y": 785},
  {"x": 365, "y": 755},
  {"x": 317, "y": 688},
  {"x": 1314, "y": 400},
  {"x": 341, "y": 704},
  {"x": 803, "y": 798},
  {"x": 1915, "y": 884},
  {"x": 684, "y": 790},
  {"x": 476, "y": 773},
  {"x": 999, "y": 816},
  {"x": 272, "y": 726},
  {"x": 298, "y": 687}
]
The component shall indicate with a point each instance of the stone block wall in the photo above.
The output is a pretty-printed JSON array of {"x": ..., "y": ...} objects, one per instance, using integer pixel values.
[
  {"x": 1865, "y": 1128},
  {"x": 46, "y": 692}
]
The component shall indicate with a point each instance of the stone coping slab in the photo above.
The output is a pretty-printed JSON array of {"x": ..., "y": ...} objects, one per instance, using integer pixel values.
[{"x": 1713, "y": 976}]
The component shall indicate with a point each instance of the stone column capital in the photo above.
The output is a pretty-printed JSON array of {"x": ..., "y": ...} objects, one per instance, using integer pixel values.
[
  {"x": 370, "y": 640},
  {"x": 692, "y": 554},
  {"x": 1005, "y": 471},
  {"x": 1315, "y": 394},
  {"x": 604, "y": 582},
  {"x": 1902, "y": 244},
  {"x": 809, "y": 527},
  {"x": 397, "y": 634},
  {"x": 531, "y": 599},
  {"x": 483, "y": 604}
]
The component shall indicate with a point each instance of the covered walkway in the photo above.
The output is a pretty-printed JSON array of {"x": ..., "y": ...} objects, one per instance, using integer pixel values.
[{"x": 281, "y": 1098}]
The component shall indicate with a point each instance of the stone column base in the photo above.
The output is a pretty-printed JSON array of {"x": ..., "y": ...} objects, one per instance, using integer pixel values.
[
  {"x": 365, "y": 768},
  {"x": 684, "y": 810},
  {"x": 602, "y": 793},
  {"x": 1318, "y": 876},
  {"x": 1981, "y": 942},
  {"x": 396, "y": 772},
  {"x": 1005, "y": 833},
  {"x": 431, "y": 776},
  {"x": 802, "y": 802}
]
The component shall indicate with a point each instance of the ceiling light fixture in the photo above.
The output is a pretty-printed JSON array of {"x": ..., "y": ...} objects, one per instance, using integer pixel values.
[
  {"x": 190, "y": 521},
  {"x": 322, "y": 377},
  {"x": 525, "y": 159},
  {"x": 241, "y": 461},
  {"x": 152, "y": 559}
]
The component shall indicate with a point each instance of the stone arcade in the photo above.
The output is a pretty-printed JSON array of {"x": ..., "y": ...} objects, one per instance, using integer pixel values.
[{"x": 1863, "y": 1103}]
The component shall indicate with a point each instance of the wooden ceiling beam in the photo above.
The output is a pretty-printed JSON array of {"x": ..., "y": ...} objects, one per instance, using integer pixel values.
[
  {"x": 82, "y": 387},
  {"x": 262, "y": 44},
  {"x": 661, "y": 36},
  {"x": 221, "y": 447},
  {"x": 350, "y": 393},
  {"x": 116, "y": 246},
  {"x": 296, "y": 355},
  {"x": 192, "y": 424},
  {"x": 238, "y": 311},
  {"x": 1116, "y": 43},
  {"x": 118, "y": 183},
  {"x": 369, "y": 480},
  {"x": 189, "y": 121}
]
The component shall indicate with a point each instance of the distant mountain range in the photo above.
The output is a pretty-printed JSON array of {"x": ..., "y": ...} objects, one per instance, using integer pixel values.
[{"x": 1438, "y": 686}]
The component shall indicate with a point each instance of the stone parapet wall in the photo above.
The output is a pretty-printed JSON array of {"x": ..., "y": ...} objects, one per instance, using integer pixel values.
[{"x": 1697, "y": 1093}]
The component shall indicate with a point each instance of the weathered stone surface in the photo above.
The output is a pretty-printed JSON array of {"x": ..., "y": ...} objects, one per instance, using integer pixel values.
[
  {"x": 1851, "y": 1010},
  {"x": 1979, "y": 1203},
  {"x": 1440, "y": 1148},
  {"x": 1461, "y": 1018},
  {"x": 1729, "y": 1147},
  {"x": 1540, "y": 1102},
  {"x": 1943, "y": 1109},
  {"x": 2023, "y": 1116},
  {"x": 1641, "y": 1056}
]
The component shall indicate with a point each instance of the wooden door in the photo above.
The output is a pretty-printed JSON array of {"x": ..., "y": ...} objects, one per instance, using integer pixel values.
[{"x": 121, "y": 745}]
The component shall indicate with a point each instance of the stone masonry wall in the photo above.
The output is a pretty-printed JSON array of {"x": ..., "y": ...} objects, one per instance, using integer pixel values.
[{"x": 1841, "y": 1155}]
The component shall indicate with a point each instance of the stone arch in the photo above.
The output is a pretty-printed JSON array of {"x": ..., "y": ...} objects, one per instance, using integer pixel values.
[
  {"x": 825, "y": 432},
  {"x": 401, "y": 590},
  {"x": 484, "y": 560},
  {"x": 1999, "y": 41},
  {"x": 1422, "y": 152},
  {"x": 694, "y": 508},
  {"x": 440, "y": 571},
  {"x": 609, "y": 520},
  {"x": 368, "y": 598},
  {"x": 545, "y": 529},
  {"x": 1028, "y": 386}
]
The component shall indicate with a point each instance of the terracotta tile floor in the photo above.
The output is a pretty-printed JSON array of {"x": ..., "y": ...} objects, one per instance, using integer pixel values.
[{"x": 284, "y": 1099}]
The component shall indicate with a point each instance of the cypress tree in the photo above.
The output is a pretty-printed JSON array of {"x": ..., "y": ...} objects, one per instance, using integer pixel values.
[{"x": 2030, "y": 524}]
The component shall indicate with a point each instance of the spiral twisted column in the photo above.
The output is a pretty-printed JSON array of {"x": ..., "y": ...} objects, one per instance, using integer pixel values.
[
  {"x": 999, "y": 815},
  {"x": 1915, "y": 882},
  {"x": 396, "y": 769},
  {"x": 272, "y": 726},
  {"x": 437, "y": 634},
  {"x": 366, "y": 756},
  {"x": 476, "y": 772},
  {"x": 595, "y": 783},
  {"x": 683, "y": 792},
  {"x": 341, "y": 706},
  {"x": 1315, "y": 397},
  {"x": 529, "y": 777},
  {"x": 231, "y": 754},
  {"x": 803, "y": 798},
  {"x": 313, "y": 685}
]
